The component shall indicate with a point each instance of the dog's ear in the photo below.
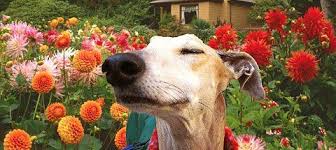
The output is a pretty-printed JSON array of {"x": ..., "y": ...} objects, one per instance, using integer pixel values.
[{"x": 245, "y": 69}]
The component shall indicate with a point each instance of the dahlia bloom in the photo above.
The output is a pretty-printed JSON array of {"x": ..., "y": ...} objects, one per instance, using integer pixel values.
[
  {"x": 70, "y": 130},
  {"x": 213, "y": 43},
  {"x": 260, "y": 51},
  {"x": 138, "y": 42},
  {"x": 84, "y": 61},
  {"x": 88, "y": 44},
  {"x": 51, "y": 36},
  {"x": 17, "y": 139},
  {"x": 53, "y": 23},
  {"x": 55, "y": 111},
  {"x": 63, "y": 40},
  {"x": 118, "y": 111},
  {"x": 72, "y": 22},
  {"x": 302, "y": 66},
  {"x": 227, "y": 37},
  {"x": 275, "y": 20},
  {"x": 88, "y": 78},
  {"x": 25, "y": 69},
  {"x": 230, "y": 142},
  {"x": 43, "y": 82},
  {"x": 297, "y": 26},
  {"x": 62, "y": 58},
  {"x": 313, "y": 23},
  {"x": 285, "y": 142},
  {"x": 257, "y": 36},
  {"x": 101, "y": 101},
  {"x": 90, "y": 111},
  {"x": 49, "y": 66},
  {"x": 16, "y": 46},
  {"x": 120, "y": 139},
  {"x": 250, "y": 142}
]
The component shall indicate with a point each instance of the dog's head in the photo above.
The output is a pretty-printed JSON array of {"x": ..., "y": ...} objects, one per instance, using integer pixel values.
[{"x": 173, "y": 75}]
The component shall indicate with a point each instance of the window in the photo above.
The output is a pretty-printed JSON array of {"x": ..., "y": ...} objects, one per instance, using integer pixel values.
[{"x": 188, "y": 13}]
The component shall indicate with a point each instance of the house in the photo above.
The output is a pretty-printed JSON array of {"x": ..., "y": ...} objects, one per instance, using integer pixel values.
[{"x": 234, "y": 12}]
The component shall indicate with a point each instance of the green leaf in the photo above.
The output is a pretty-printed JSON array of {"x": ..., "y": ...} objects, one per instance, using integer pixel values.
[
  {"x": 34, "y": 127},
  {"x": 55, "y": 144},
  {"x": 90, "y": 143}
]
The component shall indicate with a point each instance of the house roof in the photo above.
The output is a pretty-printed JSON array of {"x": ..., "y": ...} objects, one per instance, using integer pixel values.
[{"x": 176, "y": 1}]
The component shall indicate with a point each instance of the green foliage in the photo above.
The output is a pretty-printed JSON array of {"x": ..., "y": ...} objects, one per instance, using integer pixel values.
[
  {"x": 132, "y": 12},
  {"x": 168, "y": 26},
  {"x": 144, "y": 30},
  {"x": 39, "y": 11},
  {"x": 4, "y": 4},
  {"x": 202, "y": 29}
]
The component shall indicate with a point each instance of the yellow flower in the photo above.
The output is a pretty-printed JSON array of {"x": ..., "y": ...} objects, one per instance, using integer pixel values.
[
  {"x": 53, "y": 23},
  {"x": 60, "y": 19},
  {"x": 72, "y": 22},
  {"x": 70, "y": 130},
  {"x": 44, "y": 49}
]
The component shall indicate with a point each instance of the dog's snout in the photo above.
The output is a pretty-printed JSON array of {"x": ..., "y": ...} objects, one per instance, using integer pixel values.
[{"x": 123, "y": 69}]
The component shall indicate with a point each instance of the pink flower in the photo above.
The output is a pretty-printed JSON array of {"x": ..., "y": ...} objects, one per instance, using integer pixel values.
[
  {"x": 250, "y": 142},
  {"x": 88, "y": 44},
  {"x": 16, "y": 46},
  {"x": 50, "y": 66},
  {"x": 25, "y": 69}
]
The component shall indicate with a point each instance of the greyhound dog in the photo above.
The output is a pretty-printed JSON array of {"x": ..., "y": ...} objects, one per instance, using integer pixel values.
[{"x": 180, "y": 80}]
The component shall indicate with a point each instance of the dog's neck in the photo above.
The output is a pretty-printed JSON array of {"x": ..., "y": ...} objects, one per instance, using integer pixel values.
[{"x": 204, "y": 132}]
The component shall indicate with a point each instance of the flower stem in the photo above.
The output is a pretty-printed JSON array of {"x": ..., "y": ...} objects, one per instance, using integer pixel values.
[
  {"x": 37, "y": 103},
  {"x": 24, "y": 114}
]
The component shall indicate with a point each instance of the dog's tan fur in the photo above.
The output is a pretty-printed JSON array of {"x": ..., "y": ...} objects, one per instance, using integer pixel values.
[{"x": 190, "y": 108}]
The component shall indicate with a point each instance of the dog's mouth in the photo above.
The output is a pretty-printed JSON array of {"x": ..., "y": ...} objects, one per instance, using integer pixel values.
[{"x": 129, "y": 100}]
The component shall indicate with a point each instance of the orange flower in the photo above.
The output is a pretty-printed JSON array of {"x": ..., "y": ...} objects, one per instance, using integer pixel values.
[
  {"x": 118, "y": 111},
  {"x": 43, "y": 82},
  {"x": 53, "y": 23},
  {"x": 60, "y": 19},
  {"x": 55, "y": 111},
  {"x": 120, "y": 139},
  {"x": 84, "y": 61},
  {"x": 17, "y": 139},
  {"x": 63, "y": 40},
  {"x": 90, "y": 111},
  {"x": 70, "y": 130},
  {"x": 72, "y": 21},
  {"x": 98, "y": 56},
  {"x": 101, "y": 101}
]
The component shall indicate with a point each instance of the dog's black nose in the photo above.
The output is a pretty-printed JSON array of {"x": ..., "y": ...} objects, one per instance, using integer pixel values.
[{"x": 123, "y": 69}]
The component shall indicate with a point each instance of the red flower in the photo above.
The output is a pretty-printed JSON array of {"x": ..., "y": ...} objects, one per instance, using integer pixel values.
[
  {"x": 260, "y": 51},
  {"x": 297, "y": 26},
  {"x": 285, "y": 142},
  {"x": 257, "y": 35},
  {"x": 230, "y": 142},
  {"x": 213, "y": 43},
  {"x": 302, "y": 66},
  {"x": 313, "y": 22},
  {"x": 51, "y": 36},
  {"x": 276, "y": 19},
  {"x": 226, "y": 36}
]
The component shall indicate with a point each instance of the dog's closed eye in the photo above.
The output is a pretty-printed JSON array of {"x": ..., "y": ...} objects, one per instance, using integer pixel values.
[{"x": 186, "y": 51}]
